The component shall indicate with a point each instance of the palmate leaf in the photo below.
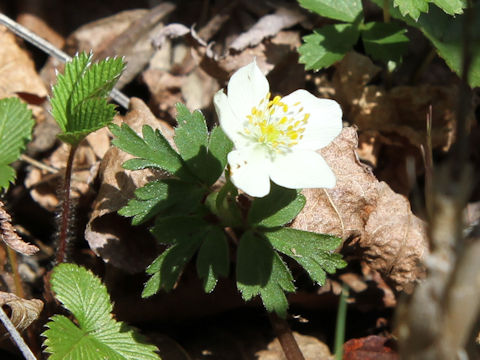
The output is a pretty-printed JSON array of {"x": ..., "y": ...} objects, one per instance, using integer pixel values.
[
  {"x": 16, "y": 125},
  {"x": 343, "y": 10},
  {"x": 313, "y": 251},
  {"x": 98, "y": 335},
  {"x": 412, "y": 8},
  {"x": 79, "y": 102}
]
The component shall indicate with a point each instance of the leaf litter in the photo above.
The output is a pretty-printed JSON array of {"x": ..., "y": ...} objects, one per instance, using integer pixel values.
[{"x": 379, "y": 230}]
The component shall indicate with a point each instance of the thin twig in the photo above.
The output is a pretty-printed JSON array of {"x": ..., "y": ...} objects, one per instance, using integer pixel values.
[
  {"x": 16, "y": 337},
  {"x": 51, "y": 50},
  {"x": 38, "y": 164},
  {"x": 12, "y": 257}
]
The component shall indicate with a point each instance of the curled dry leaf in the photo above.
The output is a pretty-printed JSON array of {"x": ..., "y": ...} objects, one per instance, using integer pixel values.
[
  {"x": 24, "y": 312},
  {"x": 368, "y": 213},
  {"x": 10, "y": 236},
  {"x": 110, "y": 235}
]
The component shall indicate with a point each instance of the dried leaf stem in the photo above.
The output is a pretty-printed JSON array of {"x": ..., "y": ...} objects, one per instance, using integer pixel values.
[
  {"x": 12, "y": 258},
  {"x": 16, "y": 337},
  {"x": 65, "y": 215}
]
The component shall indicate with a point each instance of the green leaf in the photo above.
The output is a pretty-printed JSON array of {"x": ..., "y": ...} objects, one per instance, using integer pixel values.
[
  {"x": 314, "y": 252},
  {"x": 16, "y": 123},
  {"x": 98, "y": 335},
  {"x": 260, "y": 271},
  {"x": 223, "y": 205},
  {"x": 79, "y": 102},
  {"x": 451, "y": 7},
  {"x": 384, "y": 41},
  {"x": 279, "y": 207},
  {"x": 219, "y": 146},
  {"x": 213, "y": 258},
  {"x": 327, "y": 45},
  {"x": 343, "y": 10},
  {"x": 170, "y": 196},
  {"x": 185, "y": 235},
  {"x": 191, "y": 138},
  {"x": 153, "y": 150},
  {"x": 413, "y": 8}
]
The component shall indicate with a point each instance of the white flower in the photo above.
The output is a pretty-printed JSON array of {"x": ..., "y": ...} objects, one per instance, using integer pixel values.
[{"x": 276, "y": 138}]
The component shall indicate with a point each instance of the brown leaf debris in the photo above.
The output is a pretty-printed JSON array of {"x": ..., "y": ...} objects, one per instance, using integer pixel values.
[
  {"x": 24, "y": 311},
  {"x": 10, "y": 236},
  {"x": 367, "y": 213}
]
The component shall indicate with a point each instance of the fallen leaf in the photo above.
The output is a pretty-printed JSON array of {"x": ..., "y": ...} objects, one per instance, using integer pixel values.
[
  {"x": 110, "y": 235},
  {"x": 311, "y": 348},
  {"x": 369, "y": 348},
  {"x": 23, "y": 312},
  {"x": 10, "y": 236},
  {"x": 367, "y": 214}
]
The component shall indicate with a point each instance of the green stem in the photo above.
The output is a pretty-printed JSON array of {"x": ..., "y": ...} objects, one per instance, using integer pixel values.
[
  {"x": 65, "y": 215},
  {"x": 285, "y": 337},
  {"x": 341, "y": 321},
  {"x": 386, "y": 11}
]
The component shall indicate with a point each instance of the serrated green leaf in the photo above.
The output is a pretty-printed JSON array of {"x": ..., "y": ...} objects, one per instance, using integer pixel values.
[
  {"x": 213, "y": 258},
  {"x": 254, "y": 264},
  {"x": 279, "y": 207},
  {"x": 313, "y": 251},
  {"x": 343, "y": 10},
  {"x": 16, "y": 123},
  {"x": 191, "y": 138},
  {"x": 97, "y": 335},
  {"x": 170, "y": 196},
  {"x": 79, "y": 102},
  {"x": 153, "y": 150},
  {"x": 385, "y": 41},
  {"x": 219, "y": 146},
  {"x": 451, "y": 7},
  {"x": 327, "y": 45},
  {"x": 413, "y": 8},
  {"x": 185, "y": 235}
]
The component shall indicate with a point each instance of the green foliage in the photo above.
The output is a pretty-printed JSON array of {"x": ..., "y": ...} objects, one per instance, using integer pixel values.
[
  {"x": 327, "y": 45},
  {"x": 79, "y": 102},
  {"x": 414, "y": 8},
  {"x": 97, "y": 335},
  {"x": 343, "y": 10},
  {"x": 16, "y": 125},
  {"x": 384, "y": 41},
  {"x": 192, "y": 218}
]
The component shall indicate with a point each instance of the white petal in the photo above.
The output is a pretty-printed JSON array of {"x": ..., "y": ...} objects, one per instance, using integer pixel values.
[
  {"x": 230, "y": 124},
  {"x": 302, "y": 169},
  {"x": 249, "y": 171},
  {"x": 324, "y": 123},
  {"x": 246, "y": 88}
]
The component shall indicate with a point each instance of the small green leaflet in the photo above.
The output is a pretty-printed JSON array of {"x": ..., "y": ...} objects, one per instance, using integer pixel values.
[
  {"x": 79, "y": 102},
  {"x": 313, "y": 251},
  {"x": 327, "y": 45},
  {"x": 343, "y": 10},
  {"x": 412, "y": 8},
  {"x": 384, "y": 41},
  {"x": 278, "y": 208},
  {"x": 97, "y": 335},
  {"x": 16, "y": 123},
  {"x": 260, "y": 271},
  {"x": 205, "y": 156}
]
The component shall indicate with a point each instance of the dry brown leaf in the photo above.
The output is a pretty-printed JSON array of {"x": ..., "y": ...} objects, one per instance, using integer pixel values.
[
  {"x": 311, "y": 348},
  {"x": 268, "y": 26},
  {"x": 24, "y": 312},
  {"x": 110, "y": 235},
  {"x": 10, "y": 236},
  {"x": 43, "y": 184},
  {"x": 368, "y": 213}
]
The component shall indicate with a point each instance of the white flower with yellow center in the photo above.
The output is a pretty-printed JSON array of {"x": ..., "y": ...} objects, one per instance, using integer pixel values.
[{"x": 276, "y": 138}]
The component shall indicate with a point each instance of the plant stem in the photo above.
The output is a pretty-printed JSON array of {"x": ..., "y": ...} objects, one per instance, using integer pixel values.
[
  {"x": 386, "y": 11},
  {"x": 12, "y": 258},
  {"x": 341, "y": 320},
  {"x": 285, "y": 336},
  {"x": 65, "y": 215}
]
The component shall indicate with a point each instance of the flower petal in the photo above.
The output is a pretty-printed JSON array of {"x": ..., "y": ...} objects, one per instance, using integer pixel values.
[
  {"x": 302, "y": 169},
  {"x": 246, "y": 88},
  {"x": 249, "y": 171},
  {"x": 324, "y": 123},
  {"x": 230, "y": 124}
]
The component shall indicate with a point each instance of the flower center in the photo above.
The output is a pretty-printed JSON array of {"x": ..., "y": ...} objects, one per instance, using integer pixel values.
[{"x": 276, "y": 125}]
